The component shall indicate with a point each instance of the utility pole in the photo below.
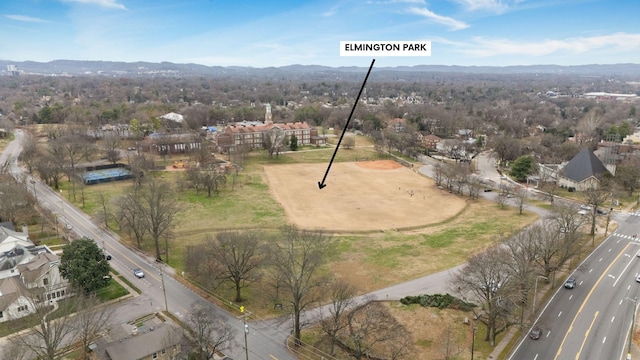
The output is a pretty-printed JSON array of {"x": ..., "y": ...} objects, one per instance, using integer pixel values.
[
  {"x": 246, "y": 332},
  {"x": 164, "y": 290},
  {"x": 535, "y": 293}
]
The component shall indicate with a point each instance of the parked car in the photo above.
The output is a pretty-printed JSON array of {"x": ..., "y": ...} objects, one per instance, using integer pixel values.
[
  {"x": 138, "y": 273},
  {"x": 585, "y": 207},
  {"x": 570, "y": 283},
  {"x": 535, "y": 333},
  {"x": 601, "y": 212}
]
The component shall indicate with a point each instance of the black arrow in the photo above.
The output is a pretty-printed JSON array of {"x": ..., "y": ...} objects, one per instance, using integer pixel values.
[{"x": 322, "y": 184}]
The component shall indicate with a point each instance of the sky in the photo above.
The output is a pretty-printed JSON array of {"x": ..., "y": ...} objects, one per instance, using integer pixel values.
[{"x": 286, "y": 32}]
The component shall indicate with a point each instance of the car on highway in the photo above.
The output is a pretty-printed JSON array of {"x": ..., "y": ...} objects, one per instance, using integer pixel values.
[
  {"x": 107, "y": 256},
  {"x": 570, "y": 283},
  {"x": 535, "y": 333},
  {"x": 68, "y": 226},
  {"x": 138, "y": 273},
  {"x": 638, "y": 278}
]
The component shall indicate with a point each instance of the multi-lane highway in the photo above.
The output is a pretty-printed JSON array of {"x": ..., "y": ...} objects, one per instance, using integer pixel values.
[{"x": 593, "y": 320}]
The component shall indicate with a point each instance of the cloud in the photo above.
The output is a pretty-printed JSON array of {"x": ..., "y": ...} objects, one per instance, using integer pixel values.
[
  {"x": 453, "y": 24},
  {"x": 495, "y": 6},
  {"x": 484, "y": 47},
  {"x": 111, "y": 4},
  {"x": 332, "y": 11},
  {"x": 25, "y": 18}
]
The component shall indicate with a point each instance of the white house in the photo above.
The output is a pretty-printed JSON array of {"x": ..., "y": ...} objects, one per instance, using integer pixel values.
[{"x": 29, "y": 275}]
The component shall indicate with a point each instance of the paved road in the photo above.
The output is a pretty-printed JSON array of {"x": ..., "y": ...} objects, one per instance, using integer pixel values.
[
  {"x": 593, "y": 320},
  {"x": 266, "y": 343}
]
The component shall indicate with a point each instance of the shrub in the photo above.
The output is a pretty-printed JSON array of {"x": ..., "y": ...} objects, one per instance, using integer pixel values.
[{"x": 439, "y": 301}]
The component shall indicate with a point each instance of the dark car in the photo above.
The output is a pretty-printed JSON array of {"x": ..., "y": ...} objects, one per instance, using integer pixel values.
[
  {"x": 535, "y": 333},
  {"x": 107, "y": 256},
  {"x": 570, "y": 283}
]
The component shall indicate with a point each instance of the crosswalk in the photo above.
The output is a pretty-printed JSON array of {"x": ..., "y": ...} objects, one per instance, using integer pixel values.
[
  {"x": 627, "y": 237},
  {"x": 630, "y": 213}
]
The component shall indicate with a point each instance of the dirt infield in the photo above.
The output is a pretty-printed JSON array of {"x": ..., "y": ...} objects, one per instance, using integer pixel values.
[{"x": 359, "y": 198}]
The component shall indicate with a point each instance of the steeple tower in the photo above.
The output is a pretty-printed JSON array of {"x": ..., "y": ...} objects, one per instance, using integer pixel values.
[{"x": 267, "y": 115}]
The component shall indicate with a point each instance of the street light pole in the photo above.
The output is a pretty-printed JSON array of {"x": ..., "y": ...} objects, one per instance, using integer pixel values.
[
  {"x": 633, "y": 321},
  {"x": 473, "y": 339},
  {"x": 535, "y": 292},
  {"x": 246, "y": 332}
]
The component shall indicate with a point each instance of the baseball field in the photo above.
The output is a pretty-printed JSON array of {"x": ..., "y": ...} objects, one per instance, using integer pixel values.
[{"x": 359, "y": 196}]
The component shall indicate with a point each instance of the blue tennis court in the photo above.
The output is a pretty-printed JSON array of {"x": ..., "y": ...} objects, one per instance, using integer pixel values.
[{"x": 106, "y": 175}]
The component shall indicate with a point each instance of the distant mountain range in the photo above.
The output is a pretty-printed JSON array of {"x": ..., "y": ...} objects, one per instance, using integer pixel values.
[{"x": 167, "y": 69}]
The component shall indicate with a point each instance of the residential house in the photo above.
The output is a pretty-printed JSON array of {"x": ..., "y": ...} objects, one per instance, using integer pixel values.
[
  {"x": 27, "y": 272},
  {"x": 431, "y": 141},
  {"x": 158, "y": 342}
]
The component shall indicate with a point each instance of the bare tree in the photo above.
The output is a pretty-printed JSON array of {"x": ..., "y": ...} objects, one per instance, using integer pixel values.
[
  {"x": 449, "y": 344},
  {"x": 160, "y": 209},
  {"x": 342, "y": 295},
  {"x": 111, "y": 143},
  {"x": 439, "y": 173},
  {"x": 555, "y": 244},
  {"x": 474, "y": 185},
  {"x": 296, "y": 260},
  {"x": 29, "y": 152},
  {"x": 236, "y": 257},
  {"x": 522, "y": 251},
  {"x": 521, "y": 194},
  {"x": 371, "y": 332},
  {"x": 273, "y": 139},
  {"x": 596, "y": 196},
  {"x": 486, "y": 278},
  {"x": 210, "y": 332},
  {"x": 75, "y": 147},
  {"x": 13, "y": 197},
  {"x": 349, "y": 142},
  {"x": 46, "y": 338},
  {"x": 211, "y": 178},
  {"x": 90, "y": 321},
  {"x": 131, "y": 216}
]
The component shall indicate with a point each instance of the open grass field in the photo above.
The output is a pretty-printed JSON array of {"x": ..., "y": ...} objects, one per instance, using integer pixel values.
[{"x": 359, "y": 196}]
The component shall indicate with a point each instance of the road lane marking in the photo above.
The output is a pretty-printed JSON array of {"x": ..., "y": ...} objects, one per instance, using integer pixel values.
[
  {"x": 536, "y": 358},
  {"x": 604, "y": 340},
  {"x": 613, "y": 318},
  {"x": 586, "y": 334},
  {"x": 587, "y": 299},
  {"x": 560, "y": 313},
  {"x": 622, "y": 272},
  {"x": 571, "y": 297},
  {"x": 590, "y": 270},
  {"x": 273, "y": 357}
]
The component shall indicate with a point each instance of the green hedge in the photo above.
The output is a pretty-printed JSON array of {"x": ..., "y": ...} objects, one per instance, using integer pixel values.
[{"x": 439, "y": 301}]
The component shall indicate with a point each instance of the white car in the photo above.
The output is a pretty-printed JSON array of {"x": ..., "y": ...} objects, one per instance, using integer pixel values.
[
  {"x": 68, "y": 226},
  {"x": 585, "y": 207},
  {"x": 138, "y": 273}
]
